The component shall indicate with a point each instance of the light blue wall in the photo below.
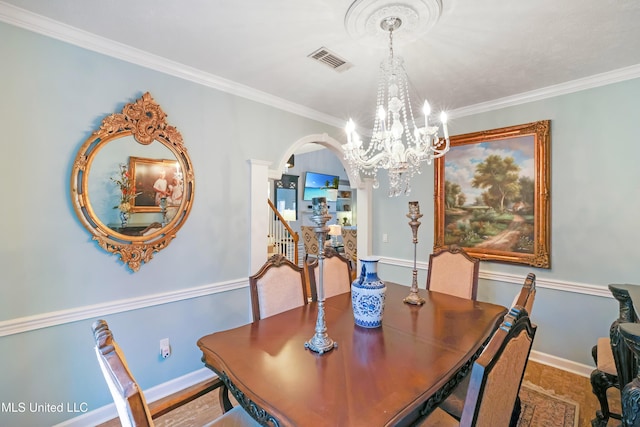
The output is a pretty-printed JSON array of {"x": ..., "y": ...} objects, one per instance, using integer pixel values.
[
  {"x": 595, "y": 201},
  {"x": 52, "y": 96}
]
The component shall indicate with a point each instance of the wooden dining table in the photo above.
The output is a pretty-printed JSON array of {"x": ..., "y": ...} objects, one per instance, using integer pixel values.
[{"x": 393, "y": 375}]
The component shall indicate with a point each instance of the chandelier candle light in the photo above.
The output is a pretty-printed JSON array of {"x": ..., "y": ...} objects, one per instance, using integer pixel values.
[
  {"x": 414, "y": 215},
  {"x": 397, "y": 143},
  {"x": 320, "y": 342}
]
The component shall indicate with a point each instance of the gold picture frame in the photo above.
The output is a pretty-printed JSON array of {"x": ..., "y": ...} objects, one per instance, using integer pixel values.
[
  {"x": 145, "y": 173},
  {"x": 492, "y": 195}
]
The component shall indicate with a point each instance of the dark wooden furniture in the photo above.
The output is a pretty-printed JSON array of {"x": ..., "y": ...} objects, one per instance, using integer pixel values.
[
  {"x": 454, "y": 404},
  {"x": 606, "y": 376},
  {"x": 496, "y": 377},
  {"x": 129, "y": 399},
  {"x": 387, "y": 376},
  {"x": 336, "y": 275},
  {"x": 278, "y": 286},
  {"x": 630, "y": 333},
  {"x": 454, "y": 272}
]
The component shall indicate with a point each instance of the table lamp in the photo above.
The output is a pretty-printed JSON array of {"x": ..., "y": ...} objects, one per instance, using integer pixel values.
[{"x": 334, "y": 231}]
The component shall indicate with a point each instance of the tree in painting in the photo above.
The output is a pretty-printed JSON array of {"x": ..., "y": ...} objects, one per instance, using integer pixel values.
[
  {"x": 499, "y": 176},
  {"x": 501, "y": 217}
]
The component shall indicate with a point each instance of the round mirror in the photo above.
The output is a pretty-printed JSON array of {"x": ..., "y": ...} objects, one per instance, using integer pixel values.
[{"x": 132, "y": 182}]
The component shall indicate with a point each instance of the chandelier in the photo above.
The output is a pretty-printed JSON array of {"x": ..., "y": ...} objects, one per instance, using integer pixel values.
[{"x": 397, "y": 143}]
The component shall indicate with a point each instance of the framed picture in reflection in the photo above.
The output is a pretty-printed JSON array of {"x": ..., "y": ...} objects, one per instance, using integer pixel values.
[{"x": 154, "y": 180}]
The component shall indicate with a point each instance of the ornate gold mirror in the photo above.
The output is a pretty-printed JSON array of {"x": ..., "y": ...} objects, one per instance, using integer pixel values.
[{"x": 132, "y": 182}]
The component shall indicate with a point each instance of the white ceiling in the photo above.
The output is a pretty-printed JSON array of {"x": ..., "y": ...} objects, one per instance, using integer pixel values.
[{"x": 478, "y": 51}]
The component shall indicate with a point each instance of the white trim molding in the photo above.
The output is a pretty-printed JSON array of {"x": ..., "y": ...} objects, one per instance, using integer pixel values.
[
  {"x": 541, "y": 282},
  {"x": 109, "y": 412},
  {"x": 42, "y": 25},
  {"x": 55, "y": 318},
  {"x": 39, "y": 24},
  {"x": 560, "y": 363}
]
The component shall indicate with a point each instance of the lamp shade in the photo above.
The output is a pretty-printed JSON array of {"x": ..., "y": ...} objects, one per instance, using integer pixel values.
[{"x": 335, "y": 230}]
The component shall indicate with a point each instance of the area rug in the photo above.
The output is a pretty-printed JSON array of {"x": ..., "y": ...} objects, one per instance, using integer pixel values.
[{"x": 543, "y": 408}]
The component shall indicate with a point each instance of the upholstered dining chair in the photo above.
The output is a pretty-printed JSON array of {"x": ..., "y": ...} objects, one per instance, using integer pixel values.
[
  {"x": 129, "y": 400},
  {"x": 527, "y": 294},
  {"x": 310, "y": 242},
  {"x": 495, "y": 378},
  {"x": 278, "y": 286},
  {"x": 336, "y": 275},
  {"x": 454, "y": 404},
  {"x": 350, "y": 241},
  {"x": 454, "y": 272}
]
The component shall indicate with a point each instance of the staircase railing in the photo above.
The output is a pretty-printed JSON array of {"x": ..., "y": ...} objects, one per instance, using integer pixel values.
[{"x": 282, "y": 238}]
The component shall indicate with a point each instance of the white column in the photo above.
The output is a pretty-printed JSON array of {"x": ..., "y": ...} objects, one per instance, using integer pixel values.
[{"x": 259, "y": 210}]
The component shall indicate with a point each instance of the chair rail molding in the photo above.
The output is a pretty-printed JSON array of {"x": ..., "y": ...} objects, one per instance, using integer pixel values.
[
  {"x": 61, "y": 317},
  {"x": 548, "y": 283}
]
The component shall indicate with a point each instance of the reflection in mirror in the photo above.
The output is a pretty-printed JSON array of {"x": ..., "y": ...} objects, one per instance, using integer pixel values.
[
  {"x": 144, "y": 166},
  {"x": 286, "y": 197},
  {"x": 132, "y": 182}
]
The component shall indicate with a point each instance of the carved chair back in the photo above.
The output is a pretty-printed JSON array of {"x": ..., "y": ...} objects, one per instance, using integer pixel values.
[
  {"x": 129, "y": 399},
  {"x": 453, "y": 271},
  {"x": 336, "y": 275},
  {"x": 527, "y": 294},
  {"x": 454, "y": 404},
  {"x": 497, "y": 374},
  {"x": 278, "y": 286}
]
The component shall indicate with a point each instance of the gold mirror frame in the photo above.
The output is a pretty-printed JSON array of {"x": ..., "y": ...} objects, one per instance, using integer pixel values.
[{"x": 146, "y": 122}]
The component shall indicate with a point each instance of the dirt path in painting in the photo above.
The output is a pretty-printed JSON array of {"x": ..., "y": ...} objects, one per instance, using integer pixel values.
[{"x": 506, "y": 240}]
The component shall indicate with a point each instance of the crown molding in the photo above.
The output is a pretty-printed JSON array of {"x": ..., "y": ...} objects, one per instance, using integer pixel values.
[
  {"x": 48, "y": 27},
  {"x": 597, "y": 80},
  {"x": 42, "y": 25}
]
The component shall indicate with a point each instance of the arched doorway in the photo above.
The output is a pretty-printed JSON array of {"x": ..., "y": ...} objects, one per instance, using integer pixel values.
[{"x": 262, "y": 171}]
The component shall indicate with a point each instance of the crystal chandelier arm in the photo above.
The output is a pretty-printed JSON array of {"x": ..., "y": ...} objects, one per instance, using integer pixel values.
[
  {"x": 367, "y": 163},
  {"x": 397, "y": 143}
]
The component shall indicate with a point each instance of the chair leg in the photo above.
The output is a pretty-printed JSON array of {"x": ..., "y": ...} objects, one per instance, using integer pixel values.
[
  {"x": 515, "y": 415},
  {"x": 600, "y": 383}
]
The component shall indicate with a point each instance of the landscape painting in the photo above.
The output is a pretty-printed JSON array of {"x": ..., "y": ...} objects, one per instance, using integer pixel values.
[{"x": 492, "y": 195}]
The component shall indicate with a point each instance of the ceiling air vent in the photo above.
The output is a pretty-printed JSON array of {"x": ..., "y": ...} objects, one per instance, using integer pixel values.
[{"x": 330, "y": 59}]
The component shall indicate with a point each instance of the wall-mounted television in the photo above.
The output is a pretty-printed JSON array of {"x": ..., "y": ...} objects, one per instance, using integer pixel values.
[{"x": 320, "y": 185}]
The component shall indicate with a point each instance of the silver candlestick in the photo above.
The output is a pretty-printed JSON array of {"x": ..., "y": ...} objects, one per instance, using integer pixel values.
[
  {"x": 414, "y": 215},
  {"x": 320, "y": 342}
]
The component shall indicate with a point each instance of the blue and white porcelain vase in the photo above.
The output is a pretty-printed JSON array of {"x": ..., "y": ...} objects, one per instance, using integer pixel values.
[{"x": 367, "y": 295}]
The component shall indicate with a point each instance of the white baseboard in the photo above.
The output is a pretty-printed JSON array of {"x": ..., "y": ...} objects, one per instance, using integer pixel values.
[
  {"x": 563, "y": 364},
  {"x": 108, "y": 412}
]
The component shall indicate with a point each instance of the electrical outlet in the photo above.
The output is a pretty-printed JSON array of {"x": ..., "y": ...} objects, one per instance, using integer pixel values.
[
  {"x": 165, "y": 348},
  {"x": 385, "y": 238}
]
